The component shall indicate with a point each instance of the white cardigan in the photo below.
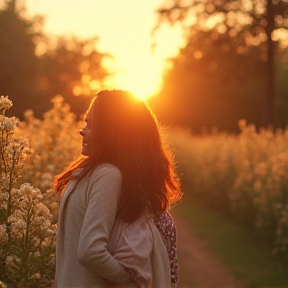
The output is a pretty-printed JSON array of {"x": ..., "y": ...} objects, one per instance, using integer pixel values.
[{"x": 93, "y": 248}]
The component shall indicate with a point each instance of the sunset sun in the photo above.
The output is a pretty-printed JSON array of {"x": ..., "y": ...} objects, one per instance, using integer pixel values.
[{"x": 142, "y": 77}]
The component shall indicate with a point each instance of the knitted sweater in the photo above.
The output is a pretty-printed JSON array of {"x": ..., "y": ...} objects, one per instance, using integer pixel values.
[{"x": 93, "y": 247}]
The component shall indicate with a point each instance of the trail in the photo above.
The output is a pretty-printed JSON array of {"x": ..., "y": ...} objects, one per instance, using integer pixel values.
[{"x": 200, "y": 267}]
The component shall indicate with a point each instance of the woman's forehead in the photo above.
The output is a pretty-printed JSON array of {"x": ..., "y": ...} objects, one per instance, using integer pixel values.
[
  {"x": 87, "y": 116},
  {"x": 91, "y": 110}
]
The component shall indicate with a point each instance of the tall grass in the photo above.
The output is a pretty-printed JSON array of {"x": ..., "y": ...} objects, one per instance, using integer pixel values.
[{"x": 243, "y": 176}]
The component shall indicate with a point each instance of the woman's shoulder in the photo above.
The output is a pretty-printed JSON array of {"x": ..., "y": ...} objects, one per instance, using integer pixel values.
[
  {"x": 106, "y": 169},
  {"x": 105, "y": 173}
]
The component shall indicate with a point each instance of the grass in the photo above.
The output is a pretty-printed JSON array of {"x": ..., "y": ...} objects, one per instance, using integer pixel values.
[{"x": 247, "y": 256}]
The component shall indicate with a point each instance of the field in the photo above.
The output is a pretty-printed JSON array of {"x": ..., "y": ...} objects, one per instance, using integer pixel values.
[
  {"x": 242, "y": 176},
  {"x": 235, "y": 196},
  {"x": 239, "y": 177}
]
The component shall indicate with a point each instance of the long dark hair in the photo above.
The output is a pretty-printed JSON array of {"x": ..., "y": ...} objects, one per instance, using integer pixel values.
[{"x": 126, "y": 134}]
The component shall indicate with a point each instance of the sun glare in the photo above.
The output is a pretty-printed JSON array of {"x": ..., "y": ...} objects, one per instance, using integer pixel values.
[
  {"x": 137, "y": 68},
  {"x": 143, "y": 78},
  {"x": 143, "y": 83}
]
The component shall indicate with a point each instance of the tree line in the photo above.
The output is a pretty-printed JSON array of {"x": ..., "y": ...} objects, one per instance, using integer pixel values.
[
  {"x": 35, "y": 67},
  {"x": 234, "y": 66}
]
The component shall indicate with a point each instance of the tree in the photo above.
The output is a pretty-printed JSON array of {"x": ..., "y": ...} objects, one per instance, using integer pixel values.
[
  {"x": 255, "y": 21},
  {"x": 72, "y": 68},
  {"x": 36, "y": 67},
  {"x": 19, "y": 67},
  {"x": 212, "y": 85}
]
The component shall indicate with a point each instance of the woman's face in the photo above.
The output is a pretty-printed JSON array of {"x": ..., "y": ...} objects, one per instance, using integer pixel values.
[{"x": 86, "y": 133}]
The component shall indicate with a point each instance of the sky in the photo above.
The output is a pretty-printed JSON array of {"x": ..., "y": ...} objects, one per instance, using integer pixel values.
[{"x": 124, "y": 30}]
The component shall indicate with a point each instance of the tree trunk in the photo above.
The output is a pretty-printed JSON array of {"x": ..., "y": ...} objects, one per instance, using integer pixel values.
[{"x": 269, "y": 109}]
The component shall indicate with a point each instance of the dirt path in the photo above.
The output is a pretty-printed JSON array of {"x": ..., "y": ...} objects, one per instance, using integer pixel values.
[{"x": 199, "y": 266}]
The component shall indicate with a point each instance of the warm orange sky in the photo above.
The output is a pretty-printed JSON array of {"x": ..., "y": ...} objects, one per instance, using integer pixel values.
[{"x": 124, "y": 28}]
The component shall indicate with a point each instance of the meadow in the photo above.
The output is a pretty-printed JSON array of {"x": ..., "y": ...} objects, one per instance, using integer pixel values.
[{"x": 241, "y": 176}]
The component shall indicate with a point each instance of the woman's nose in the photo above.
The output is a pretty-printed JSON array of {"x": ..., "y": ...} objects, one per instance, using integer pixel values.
[{"x": 81, "y": 132}]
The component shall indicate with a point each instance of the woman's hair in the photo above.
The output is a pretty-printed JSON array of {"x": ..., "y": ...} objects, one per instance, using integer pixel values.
[{"x": 126, "y": 134}]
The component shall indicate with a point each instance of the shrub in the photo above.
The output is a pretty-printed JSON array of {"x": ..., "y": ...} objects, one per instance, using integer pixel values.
[{"x": 27, "y": 238}]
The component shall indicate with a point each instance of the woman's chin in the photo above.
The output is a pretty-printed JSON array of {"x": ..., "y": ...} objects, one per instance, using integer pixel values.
[{"x": 84, "y": 151}]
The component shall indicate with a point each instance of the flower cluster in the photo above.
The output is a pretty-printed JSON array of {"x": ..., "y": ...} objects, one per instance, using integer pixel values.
[
  {"x": 33, "y": 237},
  {"x": 7, "y": 123},
  {"x": 54, "y": 143},
  {"x": 55, "y": 138},
  {"x": 5, "y": 103},
  {"x": 27, "y": 235},
  {"x": 28, "y": 215}
]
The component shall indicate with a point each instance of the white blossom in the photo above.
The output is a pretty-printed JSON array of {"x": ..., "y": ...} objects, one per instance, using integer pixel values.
[
  {"x": 18, "y": 224},
  {"x": 8, "y": 123},
  {"x": 42, "y": 210},
  {"x": 19, "y": 145},
  {"x": 52, "y": 230},
  {"x": 5, "y": 103},
  {"x": 36, "y": 276},
  {"x": 43, "y": 244},
  {"x": 37, "y": 241},
  {"x": 28, "y": 190}
]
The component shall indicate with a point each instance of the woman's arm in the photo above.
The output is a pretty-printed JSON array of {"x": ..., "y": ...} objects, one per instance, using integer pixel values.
[{"x": 103, "y": 196}]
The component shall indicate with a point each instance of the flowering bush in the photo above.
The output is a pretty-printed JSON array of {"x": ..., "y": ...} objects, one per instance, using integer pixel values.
[
  {"x": 27, "y": 237},
  {"x": 242, "y": 175},
  {"x": 54, "y": 142}
]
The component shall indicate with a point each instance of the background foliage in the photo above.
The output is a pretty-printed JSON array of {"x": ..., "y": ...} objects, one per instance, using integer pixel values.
[
  {"x": 232, "y": 66},
  {"x": 242, "y": 176},
  {"x": 28, "y": 215},
  {"x": 36, "y": 67}
]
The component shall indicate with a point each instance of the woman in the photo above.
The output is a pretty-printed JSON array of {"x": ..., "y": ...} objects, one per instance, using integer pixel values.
[{"x": 114, "y": 229}]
